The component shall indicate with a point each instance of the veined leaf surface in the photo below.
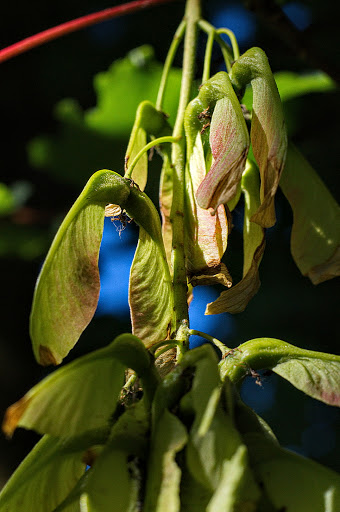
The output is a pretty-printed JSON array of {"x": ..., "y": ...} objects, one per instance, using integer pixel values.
[
  {"x": 268, "y": 132},
  {"x": 75, "y": 398},
  {"x": 291, "y": 482},
  {"x": 44, "y": 478},
  {"x": 150, "y": 287},
  {"x": 164, "y": 474},
  {"x": 315, "y": 238},
  {"x": 67, "y": 289},
  {"x": 237, "y": 297}
]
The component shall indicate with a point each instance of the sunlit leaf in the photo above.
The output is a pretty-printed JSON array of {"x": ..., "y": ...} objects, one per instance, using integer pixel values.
[
  {"x": 150, "y": 287},
  {"x": 127, "y": 83},
  {"x": 315, "y": 373},
  {"x": 75, "y": 398},
  {"x": 229, "y": 142},
  {"x": 318, "y": 377},
  {"x": 43, "y": 479},
  {"x": 291, "y": 482},
  {"x": 292, "y": 85},
  {"x": 236, "y": 298},
  {"x": 148, "y": 121},
  {"x": 165, "y": 201},
  {"x": 206, "y": 234},
  {"x": 67, "y": 289},
  {"x": 96, "y": 138},
  {"x": 164, "y": 474},
  {"x": 268, "y": 132},
  {"x": 315, "y": 238},
  {"x": 114, "y": 481},
  {"x": 212, "y": 438},
  {"x": 231, "y": 487}
]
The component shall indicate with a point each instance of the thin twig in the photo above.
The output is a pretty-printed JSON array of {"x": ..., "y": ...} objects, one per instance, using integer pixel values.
[{"x": 74, "y": 25}]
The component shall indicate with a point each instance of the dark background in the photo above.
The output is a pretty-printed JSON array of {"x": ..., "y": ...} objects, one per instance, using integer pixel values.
[{"x": 287, "y": 307}]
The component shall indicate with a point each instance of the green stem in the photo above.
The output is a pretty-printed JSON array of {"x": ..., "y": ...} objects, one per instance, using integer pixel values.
[
  {"x": 192, "y": 16},
  {"x": 225, "y": 48},
  {"x": 168, "y": 63},
  {"x": 155, "y": 142},
  {"x": 207, "y": 56},
  {"x": 221, "y": 346},
  {"x": 233, "y": 40}
]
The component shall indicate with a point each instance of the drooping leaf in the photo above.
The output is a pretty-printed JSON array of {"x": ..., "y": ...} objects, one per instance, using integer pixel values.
[
  {"x": 230, "y": 491},
  {"x": 164, "y": 474},
  {"x": 317, "y": 376},
  {"x": 229, "y": 142},
  {"x": 148, "y": 121},
  {"x": 236, "y": 299},
  {"x": 165, "y": 201},
  {"x": 268, "y": 132},
  {"x": 292, "y": 85},
  {"x": 315, "y": 373},
  {"x": 150, "y": 287},
  {"x": 114, "y": 481},
  {"x": 206, "y": 234},
  {"x": 43, "y": 479},
  {"x": 67, "y": 289},
  {"x": 212, "y": 438},
  {"x": 315, "y": 237},
  {"x": 291, "y": 482},
  {"x": 75, "y": 398}
]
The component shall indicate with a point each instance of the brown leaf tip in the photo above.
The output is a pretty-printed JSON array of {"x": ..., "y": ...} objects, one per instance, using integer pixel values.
[
  {"x": 13, "y": 415},
  {"x": 46, "y": 357}
]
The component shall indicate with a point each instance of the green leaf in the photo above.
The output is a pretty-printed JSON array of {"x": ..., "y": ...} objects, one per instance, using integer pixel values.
[
  {"x": 213, "y": 438},
  {"x": 292, "y": 85},
  {"x": 315, "y": 237},
  {"x": 7, "y": 200},
  {"x": 164, "y": 474},
  {"x": 317, "y": 376},
  {"x": 268, "y": 132},
  {"x": 43, "y": 479},
  {"x": 292, "y": 482},
  {"x": 127, "y": 83},
  {"x": 75, "y": 398},
  {"x": 114, "y": 481},
  {"x": 230, "y": 491},
  {"x": 67, "y": 289},
  {"x": 315, "y": 373},
  {"x": 148, "y": 121},
  {"x": 206, "y": 235},
  {"x": 228, "y": 138},
  {"x": 165, "y": 200},
  {"x": 237, "y": 297},
  {"x": 96, "y": 138},
  {"x": 150, "y": 287}
]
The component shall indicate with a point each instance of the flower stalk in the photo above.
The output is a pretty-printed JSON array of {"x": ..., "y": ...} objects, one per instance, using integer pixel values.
[{"x": 192, "y": 16}]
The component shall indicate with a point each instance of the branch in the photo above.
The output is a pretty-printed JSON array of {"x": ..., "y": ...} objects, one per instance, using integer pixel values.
[
  {"x": 74, "y": 25},
  {"x": 274, "y": 17}
]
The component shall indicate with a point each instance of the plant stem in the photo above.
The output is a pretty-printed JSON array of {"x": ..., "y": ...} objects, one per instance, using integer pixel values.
[
  {"x": 74, "y": 25},
  {"x": 233, "y": 40},
  {"x": 153, "y": 143},
  {"x": 207, "y": 56},
  {"x": 225, "y": 48},
  {"x": 168, "y": 63},
  {"x": 221, "y": 346},
  {"x": 192, "y": 16}
]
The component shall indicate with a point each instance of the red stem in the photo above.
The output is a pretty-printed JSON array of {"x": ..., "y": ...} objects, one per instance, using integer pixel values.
[{"x": 77, "y": 24}]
